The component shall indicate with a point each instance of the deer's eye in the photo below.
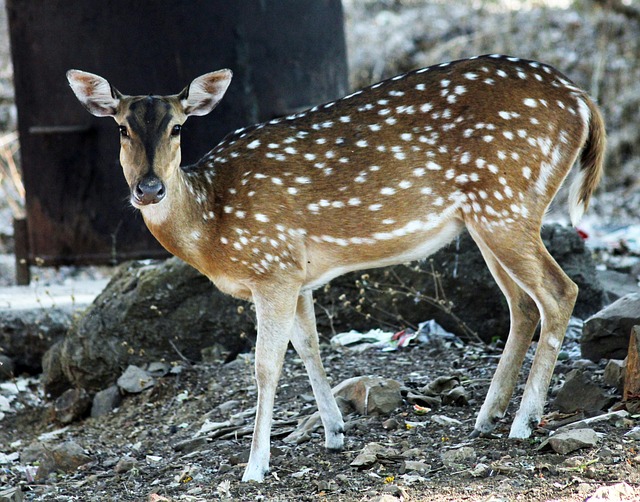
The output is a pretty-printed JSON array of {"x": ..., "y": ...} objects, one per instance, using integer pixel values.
[
  {"x": 176, "y": 130},
  {"x": 123, "y": 131}
]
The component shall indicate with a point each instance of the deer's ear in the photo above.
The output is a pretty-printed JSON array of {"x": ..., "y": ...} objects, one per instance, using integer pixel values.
[
  {"x": 205, "y": 92},
  {"x": 94, "y": 92}
]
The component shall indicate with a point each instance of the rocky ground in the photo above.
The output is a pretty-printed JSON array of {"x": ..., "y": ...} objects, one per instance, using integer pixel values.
[
  {"x": 154, "y": 446},
  {"x": 187, "y": 436}
]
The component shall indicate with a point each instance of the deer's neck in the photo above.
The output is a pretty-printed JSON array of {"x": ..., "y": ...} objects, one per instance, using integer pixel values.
[{"x": 186, "y": 221}]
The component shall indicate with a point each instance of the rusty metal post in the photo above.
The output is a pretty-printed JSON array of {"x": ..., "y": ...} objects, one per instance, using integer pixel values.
[{"x": 21, "y": 248}]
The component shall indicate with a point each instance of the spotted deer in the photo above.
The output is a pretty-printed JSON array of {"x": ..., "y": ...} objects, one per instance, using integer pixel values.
[{"x": 385, "y": 175}]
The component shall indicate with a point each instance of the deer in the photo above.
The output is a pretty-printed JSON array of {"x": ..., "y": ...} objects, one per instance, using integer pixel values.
[{"x": 386, "y": 175}]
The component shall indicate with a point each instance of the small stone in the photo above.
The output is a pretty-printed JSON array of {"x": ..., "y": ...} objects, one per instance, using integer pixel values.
[
  {"x": 32, "y": 453},
  {"x": 176, "y": 370},
  {"x": 386, "y": 497},
  {"x": 579, "y": 393},
  {"x": 458, "y": 456},
  {"x": 393, "y": 490},
  {"x": 239, "y": 458},
  {"x": 443, "y": 420},
  {"x": 480, "y": 470},
  {"x": 326, "y": 486},
  {"x": 109, "y": 462},
  {"x": 134, "y": 380},
  {"x": 190, "y": 445},
  {"x": 364, "y": 460},
  {"x": 369, "y": 455},
  {"x": 105, "y": 401},
  {"x": 228, "y": 406},
  {"x": 634, "y": 433},
  {"x": 606, "y": 334},
  {"x": 411, "y": 453},
  {"x": 71, "y": 405},
  {"x": 158, "y": 369},
  {"x": 414, "y": 465},
  {"x": 66, "y": 457},
  {"x": 619, "y": 491},
  {"x": 370, "y": 395},
  {"x": 6, "y": 369},
  {"x": 390, "y": 424},
  {"x": 125, "y": 464},
  {"x": 13, "y": 494},
  {"x": 457, "y": 396},
  {"x": 614, "y": 373},
  {"x": 224, "y": 468},
  {"x": 566, "y": 442}
]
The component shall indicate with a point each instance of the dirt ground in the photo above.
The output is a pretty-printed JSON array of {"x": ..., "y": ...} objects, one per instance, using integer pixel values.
[{"x": 148, "y": 449}]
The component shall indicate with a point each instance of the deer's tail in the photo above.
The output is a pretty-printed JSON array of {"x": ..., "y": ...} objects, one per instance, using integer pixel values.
[{"x": 591, "y": 163}]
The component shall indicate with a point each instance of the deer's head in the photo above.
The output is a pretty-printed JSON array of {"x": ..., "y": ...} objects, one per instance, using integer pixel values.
[{"x": 149, "y": 126}]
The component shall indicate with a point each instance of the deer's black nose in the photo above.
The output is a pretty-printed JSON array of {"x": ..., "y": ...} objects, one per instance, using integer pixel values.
[{"x": 149, "y": 191}]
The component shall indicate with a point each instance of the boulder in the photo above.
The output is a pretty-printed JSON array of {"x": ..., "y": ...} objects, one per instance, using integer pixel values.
[
  {"x": 26, "y": 334},
  {"x": 33, "y": 318},
  {"x": 147, "y": 312},
  {"x": 617, "y": 284},
  {"x": 606, "y": 334}
]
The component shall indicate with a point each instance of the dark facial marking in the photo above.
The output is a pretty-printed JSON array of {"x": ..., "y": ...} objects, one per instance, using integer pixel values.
[{"x": 148, "y": 118}]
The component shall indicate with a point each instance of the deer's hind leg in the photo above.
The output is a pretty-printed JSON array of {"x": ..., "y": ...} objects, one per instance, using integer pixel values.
[
  {"x": 536, "y": 288},
  {"x": 524, "y": 318}
]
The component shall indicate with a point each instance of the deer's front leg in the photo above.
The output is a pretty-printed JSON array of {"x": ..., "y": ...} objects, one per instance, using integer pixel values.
[
  {"x": 275, "y": 310},
  {"x": 305, "y": 341}
]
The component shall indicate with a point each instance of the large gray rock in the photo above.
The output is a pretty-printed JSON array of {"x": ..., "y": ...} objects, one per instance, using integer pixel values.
[
  {"x": 606, "y": 334},
  {"x": 34, "y": 317},
  {"x": 617, "y": 284},
  {"x": 26, "y": 334},
  {"x": 144, "y": 314}
]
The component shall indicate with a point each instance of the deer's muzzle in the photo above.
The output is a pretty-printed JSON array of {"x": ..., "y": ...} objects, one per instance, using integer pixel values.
[{"x": 150, "y": 190}]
